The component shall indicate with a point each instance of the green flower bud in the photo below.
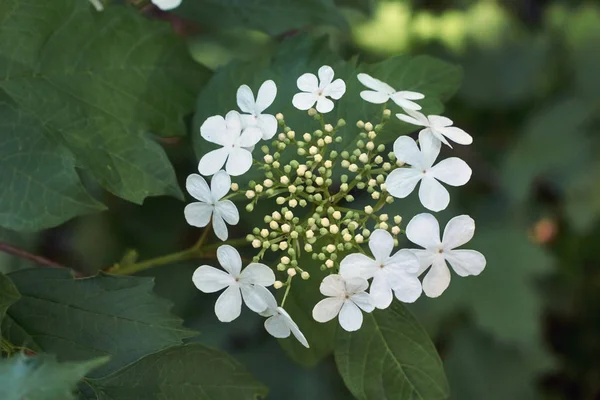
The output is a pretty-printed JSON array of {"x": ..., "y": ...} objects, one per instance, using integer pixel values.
[
  {"x": 345, "y": 155},
  {"x": 265, "y": 149},
  {"x": 301, "y": 151},
  {"x": 381, "y": 148},
  {"x": 287, "y": 169},
  {"x": 268, "y": 219},
  {"x": 344, "y": 178},
  {"x": 294, "y": 164},
  {"x": 302, "y": 203},
  {"x": 333, "y": 155},
  {"x": 349, "y": 198},
  {"x": 249, "y": 207},
  {"x": 338, "y": 139},
  {"x": 341, "y": 122}
]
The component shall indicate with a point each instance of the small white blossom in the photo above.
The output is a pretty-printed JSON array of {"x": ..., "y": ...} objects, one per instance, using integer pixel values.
[
  {"x": 210, "y": 204},
  {"x": 249, "y": 284},
  {"x": 438, "y": 126},
  {"x": 166, "y": 4},
  {"x": 346, "y": 298},
  {"x": 397, "y": 273},
  {"x": 279, "y": 323},
  {"x": 381, "y": 92},
  {"x": 318, "y": 90},
  {"x": 402, "y": 181},
  {"x": 424, "y": 230},
  {"x": 227, "y": 132},
  {"x": 267, "y": 123}
]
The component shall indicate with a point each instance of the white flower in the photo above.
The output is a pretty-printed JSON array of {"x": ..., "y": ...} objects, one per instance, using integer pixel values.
[
  {"x": 438, "y": 126},
  {"x": 248, "y": 284},
  {"x": 166, "y": 4},
  {"x": 266, "y": 95},
  {"x": 279, "y": 323},
  {"x": 424, "y": 230},
  {"x": 347, "y": 298},
  {"x": 382, "y": 92},
  {"x": 227, "y": 132},
  {"x": 398, "y": 272},
  {"x": 402, "y": 181},
  {"x": 318, "y": 92},
  {"x": 199, "y": 213}
]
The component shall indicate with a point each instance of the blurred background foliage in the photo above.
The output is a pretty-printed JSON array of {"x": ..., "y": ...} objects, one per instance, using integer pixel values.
[{"x": 529, "y": 326}]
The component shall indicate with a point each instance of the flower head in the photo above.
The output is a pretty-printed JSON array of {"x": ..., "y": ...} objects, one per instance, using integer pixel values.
[
  {"x": 437, "y": 126},
  {"x": 279, "y": 323},
  {"x": 210, "y": 204},
  {"x": 318, "y": 90},
  {"x": 166, "y": 4},
  {"x": 346, "y": 298},
  {"x": 248, "y": 284},
  {"x": 227, "y": 132},
  {"x": 267, "y": 123},
  {"x": 381, "y": 92},
  {"x": 402, "y": 181},
  {"x": 424, "y": 230},
  {"x": 398, "y": 272}
]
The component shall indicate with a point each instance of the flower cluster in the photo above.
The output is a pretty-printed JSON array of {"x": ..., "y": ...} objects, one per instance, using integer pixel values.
[{"x": 311, "y": 183}]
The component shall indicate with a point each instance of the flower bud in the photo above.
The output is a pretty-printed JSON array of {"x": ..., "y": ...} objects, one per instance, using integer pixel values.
[
  {"x": 368, "y": 126},
  {"x": 397, "y": 219},
  {"x": 250, "y": 194},
  {"x": 308, "y": 248},
  {"x": 256, "y": 243},
  {"x": 278, "y": 285},
  {"x": 305, "y": 275},
  {"x": 328, "y": 128},
  {"x": 359, "y": 238},
  {"x": 291, "y": 271},
  {"x": 363, "y": 158},
  {"x": 360, "y": 124},
  {"x": 395, "y": 230},
  {"x": 368, "y": 209},
  {"x": 353, "y": 167},
  {"x": 330, "y": 248}
]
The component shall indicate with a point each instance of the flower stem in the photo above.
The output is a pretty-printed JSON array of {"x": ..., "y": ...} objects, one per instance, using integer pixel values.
[{"x": 287, "y": 290}]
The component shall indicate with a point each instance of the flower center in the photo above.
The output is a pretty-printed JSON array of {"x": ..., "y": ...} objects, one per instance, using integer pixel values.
[{"x": 440, "y": 251}]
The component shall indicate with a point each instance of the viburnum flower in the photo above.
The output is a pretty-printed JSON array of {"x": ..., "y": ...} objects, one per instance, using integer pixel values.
[
  {"x": 267, "y": 123},
  {"x": 402, "y": 181},
  {"x": 318, "y": 92},
  {"x": 424, "y": 230},
  {"x": 166, "y": 4},
  {"x": 438, "y": 126},
  {"x": 398, "y": 272},
  {"x": 249, "y": 284},
  {"x": 279, "y": 323},
  {"x": 381, "y": 92},
  {"x": 227, "y": 132},
  {"x": 210, "y": 204},
  {"x": 347, "y": 298}
]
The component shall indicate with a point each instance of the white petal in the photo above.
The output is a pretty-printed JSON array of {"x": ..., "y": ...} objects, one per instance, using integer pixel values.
[
  {"x": 293, "y": 327},
  {"x": 239, "y": 162},
  {"x": 268, "y": 125},
  {"x": 325, "y": 76},
  {"x": 406, "y": 150},
  {"x": 277, "y": 327},
  {"x": 257, "y": 274},
  {"x": 424, "y": 230},
  {"x": 304, "y": 101},
  {"x": 457, "y": 135},
  {"x": 430, "y": 147},
  {"x": 336, "y": 89},
  {"x": 255, "y": 297},
  {"x": 271, "y": 303},
  {"x": 230, "y": 259},
  {"x": 250, "y": 136},
  {"x": 198, "y": 214},
  {"x": 229, "y": 304},
  {"x": 214, "y": 130},
  {"x": 363, "y": 300},
  {"x": 245, "y": 99},
  {"x": 266, "y": 96},
  {"x": 452, "y": 171},
  {"x": 351, "y": 317},
  {"x": 425, "y": 258},
  {"x": 438, "y": 121},
  {"x": 375, "y": 84},
  {"x": 437, "y": 279},
  {"x": 333, "y": 285},
  {"x": 413, "y": 117},
  {"x": 326, "y": 309},
  {"x": 198, "y": 188},
  {"x": 402, "y": 181},
  {"x": 213, "y": 161},
  {"x": 308, "y": 83},
  {"x": 434, "y": 135},
  {"x": 458, "y": 231},
  {"x": 381, "y": 244},
  {"x": 408, "y": 289},
  {"x": 406, "y": 260},
  {"x": 410, "y": 95},
  {"x": 209, "y": 280},
  {"x": 219, "y": 227},
  {"x": 219, "y": 185},
  {"x": 403, "y": 102},
  {"x": 433, "y": 195},
  {"x": 356, "y": 285},
  {"x": 465, "y": 262},
  {"x": 357, "y": 265},
  {"x": 374, "y": 97},
  {"x": 324, "y": 105},
  {"x": 228, "y": 211},
  {"x": 166, "y": 5},
  {"x": 234, "y": 123},
  {"x": 380, "y": 291}
]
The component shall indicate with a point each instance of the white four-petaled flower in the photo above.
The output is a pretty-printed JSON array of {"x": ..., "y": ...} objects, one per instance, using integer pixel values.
[
  {"x": 347, "y": 298},
  {"x": 402, "y": 181},
  {"x": 166, "y": 4},
  {"x": 227, "y": 132},
  {"x": 210, "y": 204},
  {"x": 398, "y": 272},
  {"x": 249, "y": 284},
  {"x": 438, "y": 126},
  {"x": 381, "y": 92},
  {"x": 267, "y": 123},
  {"x": 424, "y": 230},
  {"x": 279, "y": 323},
  {"x": 318, "y": 92}
]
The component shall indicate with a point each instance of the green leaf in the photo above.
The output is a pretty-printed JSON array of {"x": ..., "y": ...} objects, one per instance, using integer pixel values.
[
  {"x": 193, "y": 372},
  {"x": 91, "y": 87},
  {"x": 80, "y": 319},
  {"x": 8, "y": 295},
  {"x": 42, "y": 377},
  {"x": 271, "y": 16},
  {"x": 390, "y": 356}
]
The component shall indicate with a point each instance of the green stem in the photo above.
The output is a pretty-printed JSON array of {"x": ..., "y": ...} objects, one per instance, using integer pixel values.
[{"x": 287, "y": 290}]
